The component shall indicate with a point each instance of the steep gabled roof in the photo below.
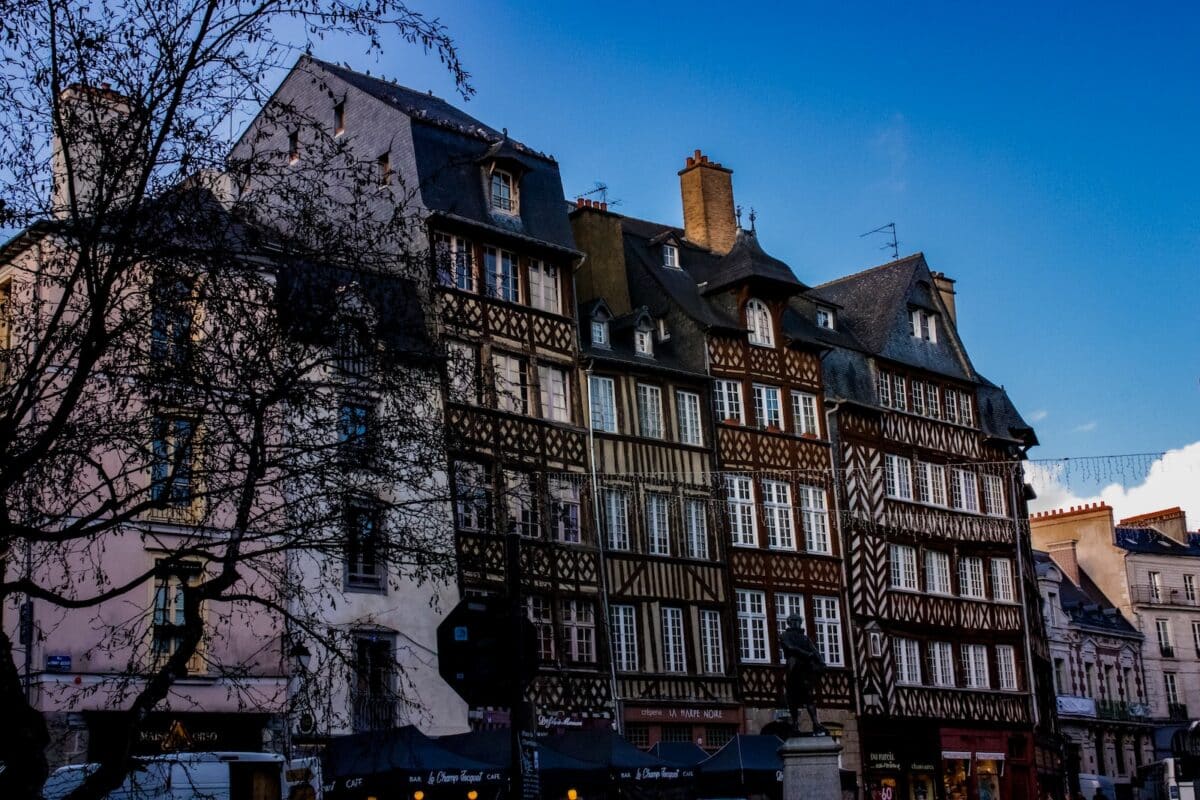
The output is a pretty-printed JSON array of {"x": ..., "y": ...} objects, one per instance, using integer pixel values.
[{"x": 746, "y": 261}]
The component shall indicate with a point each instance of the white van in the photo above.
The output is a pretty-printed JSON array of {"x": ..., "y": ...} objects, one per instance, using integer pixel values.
[{"x": 204, "y": 776}]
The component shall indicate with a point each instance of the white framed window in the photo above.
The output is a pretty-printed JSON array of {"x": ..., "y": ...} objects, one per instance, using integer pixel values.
[
  {"x": 564, "y": 509},
  {"x": 1189, "y": 588},
  {"x": 964, "y": 490},
  {"x": 544, "y": 290},
  {"x": 923, "y": 325},
  {"x": 903, "y": 562},
  {"x": 1163, "y": 628},
  {"x": 1155, "y": 586},
  {"x": 739, "y": 496},
  {"x": 933, "y": 400},
  {"x": 975, "y": 667},
  {"x": 899, "y": 392},
  {"x": 454, "y": 260},
  {"x": 670, "y": 256},
  {"x": 650, "y": 417},
  {"x": 908, "y": 661},
  {"x": 898, "y": 477},
  {"x": 1002, "y": 580},
  {"x": 786, "y": 604},
  {"x": 462, "y": 372},
  {"x": 768, "y": 411},
  {"x": 825, "y": 317},
  {"x": 522, "y": 503},
  {"x": 503, "y": 192},
  {"x": 1171, "y": 688},
  {"x": 687, "y": 406},
  {"x": 512, "y": 383},
  {"x": 970, "y": 577},
  {"x": 658, "y": 525},
  {"x": 674, "y": 655},
  {"x": 501, "y": 275},
  {"x": 758, "y": 320},
  {"x": 712, "y": 648},
  {"x": 579, "y": 630},
  {"x": 643, "y": 343},
  {"x": 1006, "y": 667},
  {"x": 542, "y": 616},
  {"x": 804, "y": 414},
  {"x": 600, "y": 333},
  {"x": 727, "y": 400},
  {"x": 777, "y": 510},
  {"x": 695, "y": 523},
  {"x": 922, "y": 492},
  {"x": 339, "y": 118},
  {"x": 937, "y": 572},
  {"x": 555, "y": 393},
  {"x": 1196, "y": 636},
  {"x": 472, "y": 496},
  {"x": 664, "y": 333},
  {"x": 827, "y": 624},
  {"x": 815, "y": 520},
  {"x": 993, "y": 496},
  {"x": 930, "y": 484},
  {"x": 941, "y": 664},
  {"x": 624, "y": 633},
  {"x": 604, "y": 404},
  {"x": 169, "y": 620},
  {"x": 885, "y": 388},
  {"x": 918, "y": 397},
  {"x": 951, "y": 405},
  {"x": 966, "y": 409},
  {"x": 752, "y": 626},
  {"x": 616, "y": 517}
]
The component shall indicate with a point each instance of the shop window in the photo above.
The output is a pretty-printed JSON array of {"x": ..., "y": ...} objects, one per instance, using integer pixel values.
[
  {"x": 717, "y": 736},
  {"x": 955, "y": 772},
  {"x": 676, "y": 733},
  {"x": 638, "y": 735}
]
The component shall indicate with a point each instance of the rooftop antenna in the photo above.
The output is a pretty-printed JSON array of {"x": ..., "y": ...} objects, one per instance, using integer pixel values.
[
  {"x": 893, "y": 245},
  {"x": 601, "y": 188}
]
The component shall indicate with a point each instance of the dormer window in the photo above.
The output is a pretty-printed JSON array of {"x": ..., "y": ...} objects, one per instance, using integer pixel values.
[
  {"x": 643, "y": 343},
  {"x": 600, "y": 333},
  {"x": 504, "y": 194},
  {"x": 825, "y": 317},
  {"x": 670, "y": 256},
  {"x": 293, "y": 147},
  {"x": 758, "y": 320},
  {"x": 922, "y": 324},
  {"x": 664, "y": 333},
  {"x": 339, "y": 118}
]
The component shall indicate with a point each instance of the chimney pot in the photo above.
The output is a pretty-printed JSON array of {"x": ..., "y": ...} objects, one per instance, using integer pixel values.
[{"x": 603, "y": 206}]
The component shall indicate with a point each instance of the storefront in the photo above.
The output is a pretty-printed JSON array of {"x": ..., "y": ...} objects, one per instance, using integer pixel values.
[
  {"x": 165, "y": 732},
  {"x": 931, "y": 763},
  {"x": 710, "y": 728}
]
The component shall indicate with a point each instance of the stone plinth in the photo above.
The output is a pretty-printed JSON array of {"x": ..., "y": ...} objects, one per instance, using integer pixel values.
[{"x": 810, "y": 768}]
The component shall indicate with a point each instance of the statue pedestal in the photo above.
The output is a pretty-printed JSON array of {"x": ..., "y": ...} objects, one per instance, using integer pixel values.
[{"x": 810, "y": 768}]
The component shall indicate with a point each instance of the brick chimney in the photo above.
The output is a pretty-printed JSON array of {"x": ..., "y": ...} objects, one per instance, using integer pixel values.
[
  {"x": 945, "y": 288},
  {"x": 104, "y": 157},
  {"x": 1063, "y": 555},
  {"x": 708, "y": 216}
]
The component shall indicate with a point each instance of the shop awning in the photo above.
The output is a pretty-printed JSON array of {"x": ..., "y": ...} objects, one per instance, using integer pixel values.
[
  {"x": 746, "y": 765},
  {"x": 683, "y": 754},
  {"x": 401, "y": 761},
  {"x": 990, "y": 756},
  {"x": 956, "y": 755}
]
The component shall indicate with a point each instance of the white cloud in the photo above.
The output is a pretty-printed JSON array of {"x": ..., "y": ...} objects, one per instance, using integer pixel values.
[
  {"x": 1171, "y": 480},
  {"x": 1039, "y": 415},
  {"x": 1086, "y": 427}
]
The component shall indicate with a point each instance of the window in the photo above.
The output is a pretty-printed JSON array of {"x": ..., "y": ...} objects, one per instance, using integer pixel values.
[
  {"x": 908, "y": 661},
  {"x": 473, "y": 498},
  {"x": 899, "y": 392},
  {"x": 688, "y": 409},
  {"x": 170, "y": 618},
  {"x": 885, "y": 388},
  {"x": 937, "y": 572},
  {"x": 512, "y": 385},
  {"x": 966, "y": 409},
  {"x": 993, "y": 496},
  {"x": 923, "y": 325},
  {"x": 373, "y": 698},
  {"x": 758, "y": 320},
  {"x": 1196, "y": 636},
  {"x": 825, "y": 317},
  {"x": 1006, "y": 667},
  {"x": 1061, "y": 682},
  {"x": 604, "y": 404},
  {"x": 352, "y": 348},
  {"x": 875, "y": 643},
  {"x": 339, "y": 118},
  {"x": 777, "y": 509},
  {"x": 930, "y": 484},
  {"x": 768, "y": 412},
  {"x": 658, "y": 525},
  {"x": 674, "y": 656},
  {"x": 727, "y": 398},
  {"x": 293, "y": 147},
  {"x": 638, "y": 735},
  {"x": 941, "y": 664},
  {"x": 664, "y": 333},
  {"x": 752, "y": 626},
  {"x": 804, "y": 413},
  {"x": 171, "y": 319},
  {"x": 462, "y": 372},
  {"x": 918, "y": 397},
  {"x": 171, "y": 472},
  {"x": 503, "y": 193},
  {"x": 500, "y": 274},
  {"x": 898, "y": 477},
  {"x": 933, "y": 400},
  {"x": 544, "y": 291},
  {"x": 975, "y": 666},
  {"x": 670, "y": 256},
  {"x": 1189, "y": 588},
  {"x": 579, "y": 630},
  {"x": 1171, "y": 687},
  {"x": 643, "y": 343},
  {"x": 1156, "y": 587},
  {"x": 1002, "y": 582},
  {"x": 383, "y": 166},
  {"x": 354, "y": 431},
  {"x": 521, "y": 502},
  {"x": 827, "y": 622},
  {"x": 624, "y": 633},
  {"x": 1165, "y": 645},
  {"x": 695, "y": 523},
  {"x": 786, "y": 604},
  {"x": 903, "y": 561},
  {"x": 650, "y": 419},
  {"x": 815, "y": 520},
  {"x": 970, "y": 577},
  {"x": 739, "y": 494},
  {"x": 542, "y": 617},
  {"x": 952, "y": 406},
  {"x": 564, "y": 509},
  {"x": 712, "y": 649},
  {"x": 555, "y": 393},
  {"x": 363, "y": 570},
  {"x": 616, "y": 512},
  {"x": 599, "y": 333},
  {"x": 964, "y": 492}
]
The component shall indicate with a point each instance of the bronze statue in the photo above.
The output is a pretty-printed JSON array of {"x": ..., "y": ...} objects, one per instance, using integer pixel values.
[{"x": 804, "y": 668}]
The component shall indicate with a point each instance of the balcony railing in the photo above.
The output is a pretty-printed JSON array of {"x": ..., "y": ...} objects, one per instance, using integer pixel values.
[
  {"x": 372, "y": 713},
  {"x": 1121, "y": 710},
  {"x": 1177, "y": 712},
  {"x": 1163, "y": 595}
]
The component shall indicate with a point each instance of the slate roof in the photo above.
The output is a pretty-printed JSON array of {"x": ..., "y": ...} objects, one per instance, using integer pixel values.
[
  {"x": 1084, "y": 603},
  {"x": 745, "y": 261},
  {"x": 621, "y": 352},
  {"x": 1148, "y": 541}
]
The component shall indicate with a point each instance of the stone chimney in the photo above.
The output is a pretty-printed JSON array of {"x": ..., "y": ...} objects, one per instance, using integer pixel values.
[
  {"x": 1170, "y": 522},
  {"x": 708, "y": 215},
  {"x": 602, "y": 274},
  {"x": 945, "y": 288},
  {"x": 96, "y": 134},
  {"x": 1063, "y": 555}
]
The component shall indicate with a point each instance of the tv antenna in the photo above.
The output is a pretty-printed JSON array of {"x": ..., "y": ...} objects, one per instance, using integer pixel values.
[
  {"x": 893, "y": 245},
  {"x": 601, "y": 188}
]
